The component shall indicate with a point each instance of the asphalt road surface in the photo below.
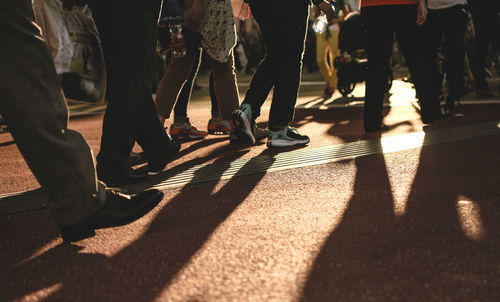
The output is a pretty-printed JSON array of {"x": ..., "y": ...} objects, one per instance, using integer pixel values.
[{"x": 412, "y": 214}]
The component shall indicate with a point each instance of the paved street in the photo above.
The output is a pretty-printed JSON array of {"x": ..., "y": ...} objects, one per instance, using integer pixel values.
[{"x": 412, "y": 214}]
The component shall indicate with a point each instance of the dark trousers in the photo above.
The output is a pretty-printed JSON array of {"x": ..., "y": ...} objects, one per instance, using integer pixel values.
[
  {"x": 484, "y": 15},
  {"x": 448, "y": 23},
  {"x": 34, "y": 108},
  {"x": 382, "y": 24},
  {"x": 128, "y": 31},
  {"x": 283, "y": 24}
]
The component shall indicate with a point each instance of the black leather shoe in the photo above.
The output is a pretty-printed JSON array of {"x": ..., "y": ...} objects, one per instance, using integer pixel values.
[
  {"x": 129, "y": 177},
  {"x": 157, "y": 164},
  {"x": 118, "y": 210},
  {"x": 381, "y": 128},
  {"x": 432, "y": 119}
]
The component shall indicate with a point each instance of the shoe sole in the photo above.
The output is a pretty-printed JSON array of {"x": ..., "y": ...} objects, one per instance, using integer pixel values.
[
  {"x": 243, "y": 129},
  {"x": 218, "y": 132},
  {"x": 286, "y": 143},
  {"x": 187, "y": 136}
]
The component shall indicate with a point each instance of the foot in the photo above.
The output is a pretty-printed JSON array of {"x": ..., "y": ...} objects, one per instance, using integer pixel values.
[
  {"x": 185, "y": 131},
  {"x": 128, "y": 177},
  {"x": 328, "y": 92},
  {"x": 157, "y": 164},
  {"x": 242, "y": 119},
  {"x": 286, "y": 137},
  {"x": 383, "y": 127},
  {"x": 218, "y": 126},
  {"x": 118, "y": 210},
  {"x": 432, "y": 119}
]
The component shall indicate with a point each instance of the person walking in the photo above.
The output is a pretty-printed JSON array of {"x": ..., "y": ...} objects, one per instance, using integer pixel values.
[
  {"x": 208, "y": 26},
  {"x": 327, "y": 48},
  {"x": 182, "y": 128},
  {"x": 485, "y": 16},
  {"x": 403, "y": 19},
  {"x": 35, "y": 110},
  {"x": 283, "y": 24},
  {"x": 128, "y": 32}
]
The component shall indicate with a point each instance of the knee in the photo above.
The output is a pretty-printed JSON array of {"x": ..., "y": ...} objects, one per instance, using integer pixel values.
[{"x": 223, "y": 70}]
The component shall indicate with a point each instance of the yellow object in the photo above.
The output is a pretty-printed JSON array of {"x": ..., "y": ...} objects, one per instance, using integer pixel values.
[{"x": 326, "y": 50}]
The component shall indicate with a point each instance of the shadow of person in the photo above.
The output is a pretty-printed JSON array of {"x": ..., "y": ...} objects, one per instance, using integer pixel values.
[
  {"x": 362, "y": 237},
  {"x": 433, "y": 250},
  {"x": 346, "y": 123},
  {"x": 41, "y": 276},
  {"x": 192, "y": 145},
  {"x": 144, "y": 268},
  {"x": 20, "y": 240},
  {"x": 222, "y": 152}
]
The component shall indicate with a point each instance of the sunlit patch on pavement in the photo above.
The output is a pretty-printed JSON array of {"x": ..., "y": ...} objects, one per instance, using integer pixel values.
[
  {"x": 402, "y": 142},
  {"x": 265, "y": 251},
  {"x": 469, "y": 216},
  {"x": 43, "y": 293},
  {"x": 402, "y": 93}
]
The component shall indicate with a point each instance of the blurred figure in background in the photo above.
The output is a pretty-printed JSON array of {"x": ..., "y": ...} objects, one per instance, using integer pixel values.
[
  {"x": 447, "y": 19},
  {"x": 210, "y": 24},
  {"x": 385, "y": 19},
  {"x": 327, "y": 47},
  {"x": 182, "y": 128},
  {"x": 485, "y": 17}
]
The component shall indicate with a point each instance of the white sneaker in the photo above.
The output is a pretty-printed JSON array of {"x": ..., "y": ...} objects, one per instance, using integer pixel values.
[{"x": 286, "y": 137}]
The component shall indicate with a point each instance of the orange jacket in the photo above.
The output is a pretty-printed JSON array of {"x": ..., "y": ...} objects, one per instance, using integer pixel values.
[{"x": 365, "y": 3}]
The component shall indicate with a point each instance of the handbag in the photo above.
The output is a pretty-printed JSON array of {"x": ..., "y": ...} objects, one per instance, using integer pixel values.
[{"x": 75, "y": 45}]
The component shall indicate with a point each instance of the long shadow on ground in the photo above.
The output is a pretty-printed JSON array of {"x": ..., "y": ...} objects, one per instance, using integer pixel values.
[
  {"x": 143, "y": 269},
  {"x": 443, "y": 248}
]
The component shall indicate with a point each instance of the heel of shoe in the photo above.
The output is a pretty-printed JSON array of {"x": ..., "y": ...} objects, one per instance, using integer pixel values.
[{"x": 71, "y": 234}]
